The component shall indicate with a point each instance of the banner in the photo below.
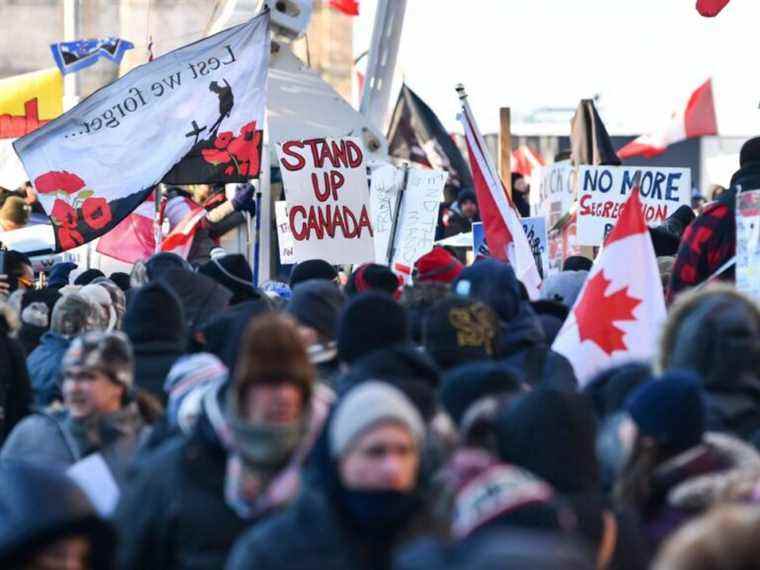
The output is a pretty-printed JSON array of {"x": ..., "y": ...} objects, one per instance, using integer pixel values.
[
  {"x": 29, "y": 101},
  {"x": 748, "y": 243},
  {"x": 553, "y": 189},
  {"x": 535, "y": 231},
  {"x": 602, "y": 191},
  {"x": 325, "y": 184},
  {"x": 418, "y": 218},
  {"x": 193, "y": 115},
  {"x": 385, "y": 184},
  {"x": 285, "y": 242},
  {"x": 79, "y": 54}
]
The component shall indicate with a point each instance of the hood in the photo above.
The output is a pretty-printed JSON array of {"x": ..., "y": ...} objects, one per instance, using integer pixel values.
[
  {"x": 155, "y": 314},
  {"x": 201, "y": 297},
  {"x": 742, "y": 463},
  {"x": 523, "y": 331},
  {"x": 748, "y": 178}
]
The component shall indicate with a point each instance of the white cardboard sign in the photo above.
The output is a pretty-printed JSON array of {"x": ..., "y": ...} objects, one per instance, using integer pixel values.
[
  {"x": 748, "y": 243},
  {"x": 386, "y": 182},
  {"x": 285, "y": 241},
  {"x": 553, "y": 187}
]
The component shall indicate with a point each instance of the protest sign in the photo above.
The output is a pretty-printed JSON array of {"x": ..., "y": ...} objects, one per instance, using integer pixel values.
[
  {"x": 284, "y": 237},
  {"x": 602, "y": 191},
  {"x": 418, "y": 218},
  {"x": 553, "y": 187},
  {"x": 94, "y": 477},
  {"x": 535, "y": 231},
  {"x": 386, "y": 182},
  {"x": 191, "y": 116},
  {"x": 326, "y": 186},
  {"x": 479, "y": 239},
  {"x": 748, "y": 243},
  {"x": 563, "y": 243}
]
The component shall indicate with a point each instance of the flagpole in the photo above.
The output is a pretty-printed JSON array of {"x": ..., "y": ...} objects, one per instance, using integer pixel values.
[{"x": 70, "y": 34}]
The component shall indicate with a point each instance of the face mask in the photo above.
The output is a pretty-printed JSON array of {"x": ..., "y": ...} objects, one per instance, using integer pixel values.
[{"x": 379, "y": 512}]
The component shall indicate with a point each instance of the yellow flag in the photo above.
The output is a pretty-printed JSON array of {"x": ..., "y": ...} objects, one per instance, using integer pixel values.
[{"x": 29, "y": 101}]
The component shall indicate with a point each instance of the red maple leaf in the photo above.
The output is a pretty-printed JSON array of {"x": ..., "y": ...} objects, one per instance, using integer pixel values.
[{"x": 596, "y": 314}]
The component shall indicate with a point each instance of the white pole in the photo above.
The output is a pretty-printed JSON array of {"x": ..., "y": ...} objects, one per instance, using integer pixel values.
[{"x": 70, "y": 33}]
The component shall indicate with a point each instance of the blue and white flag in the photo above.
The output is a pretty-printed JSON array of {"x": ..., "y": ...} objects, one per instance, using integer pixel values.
[
  {"x": 192, "y": 116},
  {"x": 76, "y": 55}
]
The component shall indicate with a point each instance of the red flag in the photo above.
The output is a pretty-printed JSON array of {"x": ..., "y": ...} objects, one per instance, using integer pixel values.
[
  {"x": 619, "y": 312},
  {"x": 348, "y": 7},
  {"x": 525, "y": 159},
  {"x": 133, "y": 239},
  {"x": 501, "y": 222},
  {"x": 696, "y": 119},
  {"x": 180, "y": 239},
  {"x": 711, "y": 8}
]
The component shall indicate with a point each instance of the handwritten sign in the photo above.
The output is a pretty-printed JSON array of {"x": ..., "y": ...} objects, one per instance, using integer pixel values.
[
  {"x": 386, "y": 182},
  {"x": 326, "y": 185},
  {"x": 285, "y": 241},
  {"x": 535, "y": 231},
  {"x": 418, "y": 218},
  {"x": 748, "y": 243},
  {"x": 602, "y": 191},
  {"x": 555, "y": 188}
]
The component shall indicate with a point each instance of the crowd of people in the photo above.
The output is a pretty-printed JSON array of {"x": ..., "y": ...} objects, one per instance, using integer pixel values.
[{"x": 348, "y": 421}]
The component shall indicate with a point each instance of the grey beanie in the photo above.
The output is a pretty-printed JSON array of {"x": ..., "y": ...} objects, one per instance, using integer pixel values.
[
  {"x": 564, "y": 287},
  {"x": 365, "y": 406},
  {"x": 72, "y": 315},
  {"x": 106, "y": 352}
]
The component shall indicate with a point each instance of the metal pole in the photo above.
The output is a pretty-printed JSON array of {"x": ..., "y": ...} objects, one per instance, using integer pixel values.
[{"x": 70, "y": 33}]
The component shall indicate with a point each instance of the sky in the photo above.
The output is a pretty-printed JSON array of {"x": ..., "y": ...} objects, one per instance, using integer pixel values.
[{"x": 643, "y": 57}]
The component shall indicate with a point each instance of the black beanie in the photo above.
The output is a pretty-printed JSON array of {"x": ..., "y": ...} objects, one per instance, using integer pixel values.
[
  {"x": 609, "y": 390},
  {"x": 373, "y": 277},
  {"x": 553, "y": 435},
  {"x": 160, "y": 263},
  {"x": 154, "y": 314},
  {"x": 316, "y": 303},
  {"x": 122, "y": 280},
  {"x": 88, "y": 276},
  {"x": 458, "y": 330},
  {"x": 368, "y": 322},
  {"x": 232, "y": 271},
  {"x": 750, "y": 152},
  {"x": 312, "y": 269},
  {"x": 465, "y": 385},
  {"x": 577, "y": 263}
]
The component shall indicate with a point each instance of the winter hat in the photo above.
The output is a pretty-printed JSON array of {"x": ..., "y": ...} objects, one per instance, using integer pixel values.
[
  {"x": 14, "y": 211},
  {"x": 564, "y": 287},
  {"x": 101, "y": 298},
  {"x": 88, "y": 276},
  {"x": 232, "y": 271},
  {"x": 437, "y": 265},
  {"x": 73, "y": 315},
  {"x": 187, "y": 381},
  {"x": 418, "y": 300},
  {"x": 750, "y": 152},
  {"x": 36, "y": 314},
  {"x": 465, "y": 385},
  {"x": 154, "y": 314},
  {"x": 59, "y": 274},
  {"x": 201, "y": 297},
  {"x": 47, "y": 298},
  {"x": 121, "y": 279},
  {"x": 552, "y": 434},
  {"x": 609, "y": 390},
  {"x": 118, "y": 298},
  {"x": 368, "y": 322},
  {"x": 503, "y": 495},
  {"x": 222, "y": 335},
  {"x": 577, "y": 263},
  {"x": 316, "y": 303},
  {"x": 39, "y": 506},
  {"x": 106, "y": 352},
  {"x": 670, "y": 410},
  {"x": 160, "y": 263},
  {"x": 493, "y": 283},
  {"x": 277, "y": 291},
  {"x": 458, "y": 330},
  {"x": 312, "y": 269},
  {"x": 367, "y": 405},
  {"x": 373, "y": 277}
]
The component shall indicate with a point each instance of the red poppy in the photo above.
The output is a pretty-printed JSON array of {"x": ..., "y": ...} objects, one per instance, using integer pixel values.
[
  {"x": 248, "y": 128},
  {"x": 223, "y": 139},
  {"x": 241, "y": 149},
  {"x": 69, "y": 238},
  {"x": 64, "y": 215},
  {"x": 213, "y": 156},
  {"x": 96, "y": 212},
  {"x": 55, "y": 181}
]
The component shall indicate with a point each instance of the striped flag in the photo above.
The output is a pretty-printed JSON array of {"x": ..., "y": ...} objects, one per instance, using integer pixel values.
[
  {"x": 501, "y": 222},
  {"x": 133, "y": 239},
  {"x": 180, "y": 239}
]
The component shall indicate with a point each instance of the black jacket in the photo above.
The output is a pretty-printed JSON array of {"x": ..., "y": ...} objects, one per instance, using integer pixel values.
[{"x": 15, "y": 387}]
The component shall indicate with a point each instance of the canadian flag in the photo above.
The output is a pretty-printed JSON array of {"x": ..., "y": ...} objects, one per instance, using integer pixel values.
[
  {"x": 501, "y": 222},
  {"x": 133, "y": 239},
  {"x": 620, "y": 310},
  {"x": 184, "y": 215},
  {"x": 696, "y": 119},
  {"x": 525, "y": 159},
  {"x": 710, "y": 8}
]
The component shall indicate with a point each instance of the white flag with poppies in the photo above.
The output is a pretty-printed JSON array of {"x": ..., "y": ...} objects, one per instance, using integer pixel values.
[
  {"x": 192, "y": 116},
  {"x": 620, "y": 310}
]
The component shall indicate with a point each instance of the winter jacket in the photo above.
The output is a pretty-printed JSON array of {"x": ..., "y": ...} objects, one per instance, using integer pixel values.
[
  {"x": 15, "y": 388},
  {"x": 58, "y": 441},
  {"x": 173, "y": 514},
  {"x": 312, "y": 532},
  {"x": 44, "y": 364}
]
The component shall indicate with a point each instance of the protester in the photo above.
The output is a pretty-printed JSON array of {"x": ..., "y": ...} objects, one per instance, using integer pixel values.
[
  {"x": 15, "y": 387},
  {"x": 100, "y": 412},
  {"x": 72, "y": 316},
  {"x": 36, "y": 310},
  {"x": 418, "y": 300},
  {"x": 235, "y": 466},
  {"x": 14, "y": 214},
  {"x": 46, "y": 522},
  {"x": 187, "y": 382},
  {"x": 18, "y": 273},
  {"x": 564, "y": 287},
  {"x": 155, "y": 325},
  {"x": 437, "y": 266},
  {"x": 59, "y": 274},
  {"x": 86, "y": 276},
  {"x": 100, "y": 298},
  {"x": 312, "y": 269},
  {"x": 520, "y": 192},
  {"x": 232, "y": 271},
  {"x": 462, "y": 214},
  {"x": 373, "y": 277},
  {"x": 369, "y": 505}
]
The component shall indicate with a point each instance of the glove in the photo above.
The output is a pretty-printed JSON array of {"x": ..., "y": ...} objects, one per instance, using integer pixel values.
[{"x": 243, "y": 199}]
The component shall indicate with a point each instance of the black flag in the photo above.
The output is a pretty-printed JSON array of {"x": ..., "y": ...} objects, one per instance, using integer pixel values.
[
  {"x": 589, "y": 139},
  {"x": 416, "y": 134}
]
